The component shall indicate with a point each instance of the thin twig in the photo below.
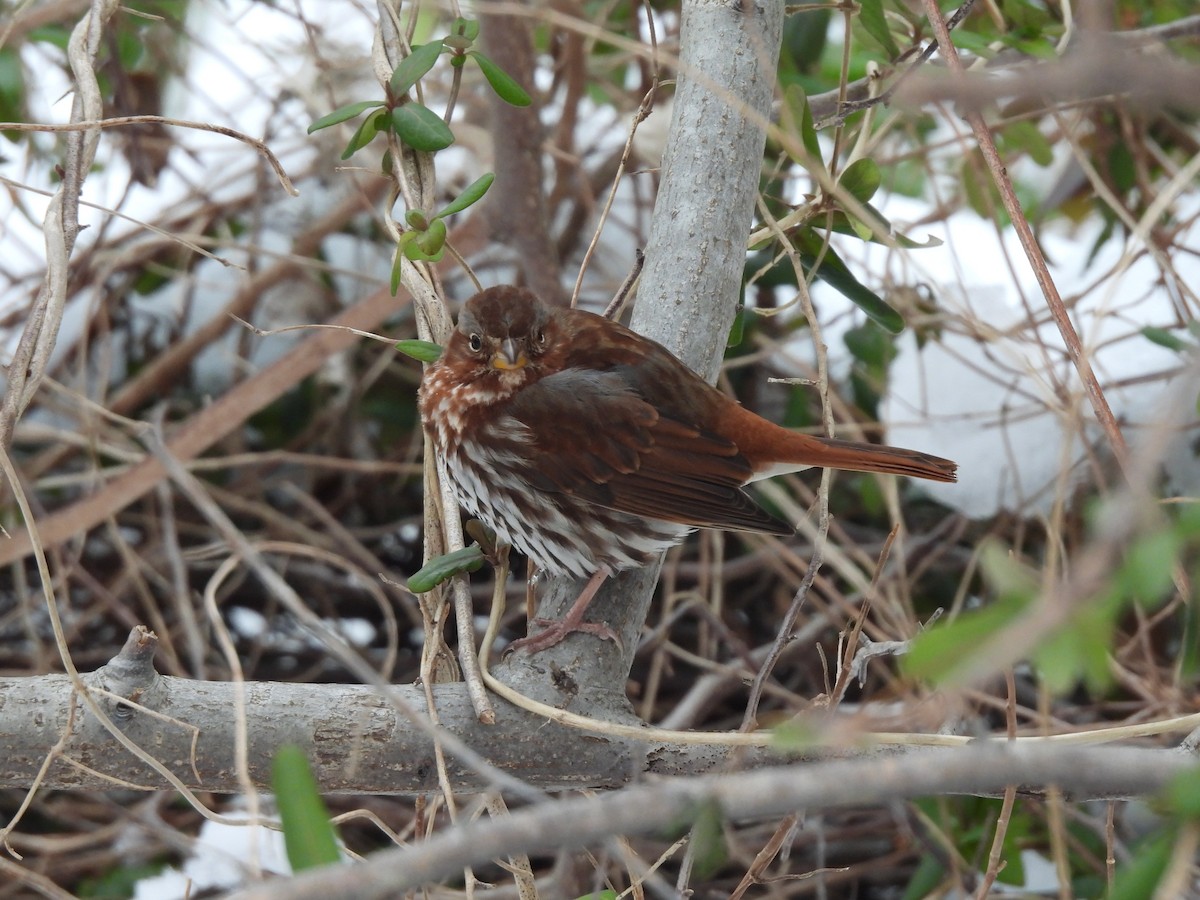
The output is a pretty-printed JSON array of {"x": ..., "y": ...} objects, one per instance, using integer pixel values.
[
  {"x": 1033, "y": 252},
  {"x": 120, "y": 121}
]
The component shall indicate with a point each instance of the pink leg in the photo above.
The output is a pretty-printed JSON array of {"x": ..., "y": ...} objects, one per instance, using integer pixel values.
[{"x": 555, "y": 631}]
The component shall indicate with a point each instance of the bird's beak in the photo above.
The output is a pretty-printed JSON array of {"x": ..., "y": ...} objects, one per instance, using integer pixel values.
[{"x": 510, "y": 357}]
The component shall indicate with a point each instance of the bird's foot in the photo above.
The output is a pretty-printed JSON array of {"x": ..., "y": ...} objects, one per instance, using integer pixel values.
[{"x": 555, "y": 630}]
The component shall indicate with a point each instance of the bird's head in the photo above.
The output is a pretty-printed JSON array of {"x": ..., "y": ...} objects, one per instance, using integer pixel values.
[{"x": 504, "y": 333}]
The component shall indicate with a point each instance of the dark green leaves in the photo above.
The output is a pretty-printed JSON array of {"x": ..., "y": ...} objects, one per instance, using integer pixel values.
[
  {"x": 471, "y": 194},
  {"x": 502, "y": 83},
  {"x": 861, "y": 179},
  {"x": 873, "y": 21},
  {"x": 415, "y": 124},
  {"x": 413, "y": 67},
  {"x": 814, "y": 252},
  {"x": 421, "y": 128},
  {"x": 343, "y": 114},
  {"x": 366, "y": 132},
  {"x": 425, "y": 239}
]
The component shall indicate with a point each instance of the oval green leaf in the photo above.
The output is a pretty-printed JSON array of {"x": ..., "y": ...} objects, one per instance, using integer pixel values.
[
  {"x": 861, "y": 179},
  {"x": 473, "y": 193},
  {"x": 424, "y": 351},
  {"x": 413, "y": 66},
  {"x": 421, "y": 128},
  {"x": 365, "y": 134},
  {"x": 1164, "y": 338},
  {"x": 343, "y": 114},
  {"x": 442, "y": 568},
  {"x": 502, "y": 83},
  {"x": 307, "y": 832}
]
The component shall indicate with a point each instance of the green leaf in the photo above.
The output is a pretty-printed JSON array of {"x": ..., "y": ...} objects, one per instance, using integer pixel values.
[
  {"x": 737, "y": 331},
  {"x": 1182, "y": 795},
  {"x": 398, "y": 263},
  {"x": 805, "y": 36},
  {"x": 413, "y": 67},
  {"x": 797, "y": 119},
  {"x": 875, "y": 24},
  {"x": 1147, "y": 572},
  {"x": 427, "y": 246},
  {"x": 307, "y": 832},
  {"x": 502, "y": 83},
  {"x": 941, "y": 653},
  {"x": 365, "y": 134},
  {"x": 468, "y": 28},
  {"x": 12, "y": 91},
  {"x": 861, "y": 179},
  {"x": 421, "y": 128},
  {"x": 343, "y": 114},
  {"x": 1027, "y": 137},
  {"x": 1164, "y": 338},
  {"x": 1122, "y": 167},
  {"x": 834, "y": 272},
  {"x": 708, "y": 841},
  {"x": 1079, "y": 650},
  {"x": 423, "y": 351},
  {"x": 1140, "y": 877},
  {"x": 434, "y": 572},
  {"x": 473, "y": 193},
  {"x": 843, "y": 224}
]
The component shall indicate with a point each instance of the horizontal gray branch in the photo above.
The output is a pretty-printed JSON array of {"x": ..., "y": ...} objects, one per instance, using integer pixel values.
[
  {"x": 357, "y": 739},
  {"x": 670, "y": 806}
]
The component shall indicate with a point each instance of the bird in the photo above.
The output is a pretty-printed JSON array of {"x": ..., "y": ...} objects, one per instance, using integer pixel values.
[{"x": 592, "y": 449}]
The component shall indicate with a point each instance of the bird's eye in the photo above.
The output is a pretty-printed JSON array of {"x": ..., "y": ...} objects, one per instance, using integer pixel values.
[
  {"x": 540, "y": 337},
  {"x": 475, "y": 342}
]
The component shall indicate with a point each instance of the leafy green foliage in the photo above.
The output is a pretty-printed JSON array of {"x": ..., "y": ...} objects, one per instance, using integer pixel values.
[
  {"x": 413, "y": 123},
  {"x": 425, "y": 239},
  {"x": 307, "y": 832},
  {"x": 970, "y": 823},
  {"x": 1078, "y": 650},
  {"x": 940, "y": 654},
  {"x": 829, "y": 213}
]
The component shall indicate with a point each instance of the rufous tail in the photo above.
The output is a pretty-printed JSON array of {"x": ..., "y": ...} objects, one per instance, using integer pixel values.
[{"x": 858, "y": 457}]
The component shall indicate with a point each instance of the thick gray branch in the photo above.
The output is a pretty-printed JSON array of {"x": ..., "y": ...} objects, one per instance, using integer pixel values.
[
  {"x": 671, "y": 805},
  {"x": 356, "y": 739}
]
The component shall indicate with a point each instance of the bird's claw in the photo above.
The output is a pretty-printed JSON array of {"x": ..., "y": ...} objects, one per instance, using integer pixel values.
[{"x": 554, "y": 631}]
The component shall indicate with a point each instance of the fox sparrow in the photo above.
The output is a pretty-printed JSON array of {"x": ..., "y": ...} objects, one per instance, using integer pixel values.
[{"x": 592, "y": 449}]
